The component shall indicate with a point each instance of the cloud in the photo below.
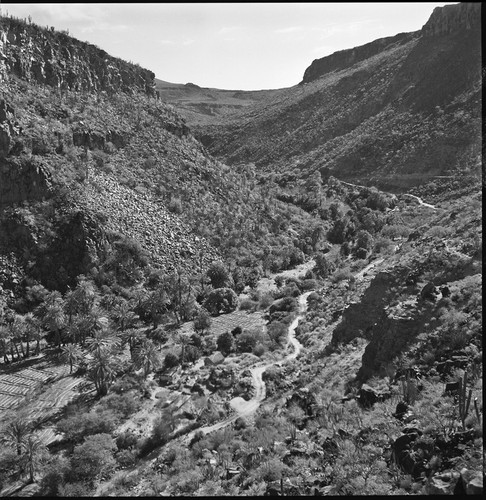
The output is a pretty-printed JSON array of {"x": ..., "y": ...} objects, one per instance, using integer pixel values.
[
  {"x": 226, "y": 30},
  {"x": 290, "y": 29}
]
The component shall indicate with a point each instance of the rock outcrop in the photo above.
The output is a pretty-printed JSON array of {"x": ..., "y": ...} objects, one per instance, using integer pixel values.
[
  {"x": 54, "y": 58},
  {"x": 452, "y": 19}
]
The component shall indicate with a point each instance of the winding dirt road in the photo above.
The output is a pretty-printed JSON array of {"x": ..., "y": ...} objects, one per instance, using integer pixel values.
[{"x": 245, "y": 408}]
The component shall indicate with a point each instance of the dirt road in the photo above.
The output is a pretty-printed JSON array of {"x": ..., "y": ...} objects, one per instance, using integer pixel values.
[{"x": 244, "y": 408}]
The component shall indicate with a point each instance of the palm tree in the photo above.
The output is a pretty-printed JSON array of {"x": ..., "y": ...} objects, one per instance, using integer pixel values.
[
  {"x": 146, "y": 357},
  {"x": 15, "y": 433},
  {"x": 91, "y": 323},
  {"x": 52, "y": 315},
  {"x": 101, "y": 370},
  {"x": 71, "y": 354},
  {"x": 5, "y": 342},
  {"x": 124, "y": 316},
  {"x": 33, "y": 331},
  {"x": 132, "y": 337},
  {"x": 33, "y": 448},
  {"x": 102, "y": 339},
  {"x": 183, "y": 340}
]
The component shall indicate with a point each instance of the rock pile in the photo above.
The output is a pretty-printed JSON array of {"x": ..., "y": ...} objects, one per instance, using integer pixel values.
[{"x": 168, "y": 240}]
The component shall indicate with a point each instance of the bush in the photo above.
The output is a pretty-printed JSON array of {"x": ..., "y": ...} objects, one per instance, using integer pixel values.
[
  {"x": 221, "y": 300},
  {"x": 259, "y": 350},
  {"x": 126, "y": 440},
  {"x": 93, "y": 457},
  {"x": 124, "y": 404},
  {"x": 287, "y": 304},
  {"x": 171, "y": 360},
  {"x": 265, "y": 301},
  {"x": 247, "y": 341},
  {"x": 248, "y": 305},
  {"x": 76, "y": 427},
  {"x": 126, "y": 458},
  {"x": 342, "y": 274},
  {"x": 225, "y": 343}
]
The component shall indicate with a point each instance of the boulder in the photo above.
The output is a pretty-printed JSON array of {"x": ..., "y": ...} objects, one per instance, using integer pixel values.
[
  {"x": 367, "y": 396},
  {"x": 429, "y": 292},
  {"x": 443, "y": 483},
  {"x": 470, "y": 482}
]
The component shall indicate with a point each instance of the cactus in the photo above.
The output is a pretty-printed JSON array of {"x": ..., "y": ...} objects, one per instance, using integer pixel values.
[{"x": 463, "y": 401}]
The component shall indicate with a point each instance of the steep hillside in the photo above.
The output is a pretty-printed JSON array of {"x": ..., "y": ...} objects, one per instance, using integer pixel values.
[{"x": 394, "y": 113}]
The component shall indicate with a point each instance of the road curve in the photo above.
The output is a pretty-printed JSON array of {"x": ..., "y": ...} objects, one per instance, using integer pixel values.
[{"x": 245, "y": 408}]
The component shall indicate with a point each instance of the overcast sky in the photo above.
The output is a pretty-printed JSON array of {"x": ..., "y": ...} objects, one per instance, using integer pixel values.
[{"x": 247, "y": 46}]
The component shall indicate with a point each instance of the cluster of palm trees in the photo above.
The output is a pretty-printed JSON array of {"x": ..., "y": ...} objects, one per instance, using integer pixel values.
[
  {"x": 18, "y": 434},
  {"x": 85, "y": 333}
]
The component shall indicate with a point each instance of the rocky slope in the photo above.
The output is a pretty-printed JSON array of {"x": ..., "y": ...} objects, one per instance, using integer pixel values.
[
  {"x": 54, "y": 58},
  {"x": 395, "y": 112}
]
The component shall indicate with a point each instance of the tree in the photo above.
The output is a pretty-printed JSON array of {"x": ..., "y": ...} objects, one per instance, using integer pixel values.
[
  {"x": 93, "y": 457},
  {"x": 124, "y": 316},
  {"x": 364, "y": 240},
  {"x": 277, "y": 331},
  {"x": 202, "y": 322},
  {"x": 221, "y": 300},
  {"x": 33, "y": 331},
  {"x": 52, "y": 315},
  {"x": 218, "y": 275},
  {"x": 226, "y": 343},
  {"x": 71, "y": 354},
  {"x": 102, "y": 370},
  {"x": 147, "y": 357},
  {"x": 322, "y": 267},
  {"x": 16, "y": 432},
  {"x": 183, "y": 340},
  {"x": 34, "y": 451}
]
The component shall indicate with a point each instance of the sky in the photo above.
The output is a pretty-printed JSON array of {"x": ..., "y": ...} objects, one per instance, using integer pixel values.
[{"x": 237, "y": 46}]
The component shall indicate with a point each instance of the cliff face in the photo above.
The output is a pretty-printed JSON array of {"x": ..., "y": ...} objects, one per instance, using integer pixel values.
[
  {"x": 452, "y": 19},
  {"x": 58, "y": 60},
  {"x": 346, "y": 58},
  {"x": 447, "y": 20}
]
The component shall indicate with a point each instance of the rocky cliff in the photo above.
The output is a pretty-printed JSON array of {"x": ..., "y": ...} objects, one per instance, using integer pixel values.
[
  {"x": 346, "y": 58},
  {"x": 452, "y": 19},
  {"x": 447, "y": 20},
  {"x": 53, "y": 58}
]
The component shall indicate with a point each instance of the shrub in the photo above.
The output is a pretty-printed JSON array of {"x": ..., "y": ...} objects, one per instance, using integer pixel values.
[
  {"x": 126, "y": 440},
  {"x": 175, "y": 206},
  {"x": 124, "y": 404},
  {"x": 93, "y": 457},
  {"x": 171, "y": 360},
  {"x": 342, "y": 274},
  {"x": 247, "y": 341},
  {"x": 76, "y": 427},
  {"x": 202, "y": 321},
  {"x": 221, "y": 300},
  {"x": 225, "y": 343},
  {"x": 248, "y": 305},
  {"x": 259, "y": 349}
]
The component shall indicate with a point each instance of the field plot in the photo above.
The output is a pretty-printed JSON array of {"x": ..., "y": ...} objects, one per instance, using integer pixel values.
[
  {"x": 15, "y": 385},
  {"x": 227, "y": 322}
]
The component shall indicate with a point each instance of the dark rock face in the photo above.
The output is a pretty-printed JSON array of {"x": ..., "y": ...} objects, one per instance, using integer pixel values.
[
  {"x": 393, "y": 331},
  {"x": 58, "y": 60},
  {"x": 359, "y": 318},
  {"x": 453, "y": 18},
  {"x": 20, "y": 181}
]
